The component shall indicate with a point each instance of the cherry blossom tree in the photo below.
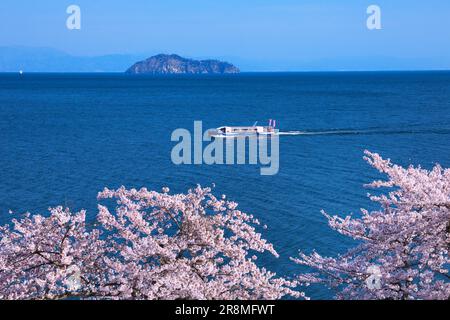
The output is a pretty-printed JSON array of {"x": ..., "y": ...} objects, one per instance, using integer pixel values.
[
  {"x": 152, "y": 246},
  {"x": 195, "y": 246},
  {"x": 403, "y": 247}
]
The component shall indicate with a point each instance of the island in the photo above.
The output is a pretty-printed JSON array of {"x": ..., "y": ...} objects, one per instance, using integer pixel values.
[{"x": 174, "y": 64}]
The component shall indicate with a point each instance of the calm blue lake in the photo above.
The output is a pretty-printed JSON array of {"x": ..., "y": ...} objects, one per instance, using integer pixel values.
[{"x": 63, "y": 137}]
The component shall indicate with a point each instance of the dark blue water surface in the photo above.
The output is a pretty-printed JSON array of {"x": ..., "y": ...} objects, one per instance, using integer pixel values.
[{"x": 65, "y": 137}]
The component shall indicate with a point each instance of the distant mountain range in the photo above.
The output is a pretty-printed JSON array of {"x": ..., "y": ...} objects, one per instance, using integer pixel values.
[
  {"x": 35, "y": 59},
  {"x": 174, "y": 64},
  {"x": 30, "y": 59}
]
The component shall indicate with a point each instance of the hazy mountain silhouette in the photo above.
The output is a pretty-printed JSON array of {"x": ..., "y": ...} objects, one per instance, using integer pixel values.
[
  {"x": 34, "y": 59},
  {"x": 29, "y": 59}
]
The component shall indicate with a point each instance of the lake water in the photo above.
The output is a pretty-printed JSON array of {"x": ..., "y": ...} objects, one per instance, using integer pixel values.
[{"x": 63, "y": 137}]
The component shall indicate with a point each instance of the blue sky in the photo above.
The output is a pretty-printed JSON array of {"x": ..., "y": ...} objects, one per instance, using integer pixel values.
[{"x": 274, "y": 34}]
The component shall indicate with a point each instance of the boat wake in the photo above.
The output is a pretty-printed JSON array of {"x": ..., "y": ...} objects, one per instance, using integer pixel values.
[{"x": 364, "y": 132}]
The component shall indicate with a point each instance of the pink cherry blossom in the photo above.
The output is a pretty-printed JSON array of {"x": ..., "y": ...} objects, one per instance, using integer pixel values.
[
  {"x": 403, "y": 247},
  {"x": 151, "y": 246}
]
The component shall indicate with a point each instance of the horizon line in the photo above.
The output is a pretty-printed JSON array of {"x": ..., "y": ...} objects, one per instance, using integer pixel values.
[{"x": 21, "y": 72}]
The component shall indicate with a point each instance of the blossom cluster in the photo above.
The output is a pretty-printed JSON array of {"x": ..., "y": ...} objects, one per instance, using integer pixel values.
[
  {"x": 157, "y": 245},
  {"x": 403, "y": 247},
  {"x": 152, "y": 246}
]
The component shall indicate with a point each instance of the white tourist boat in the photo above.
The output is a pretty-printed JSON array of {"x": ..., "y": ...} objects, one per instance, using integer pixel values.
[{"x": 255, "y": 130}]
